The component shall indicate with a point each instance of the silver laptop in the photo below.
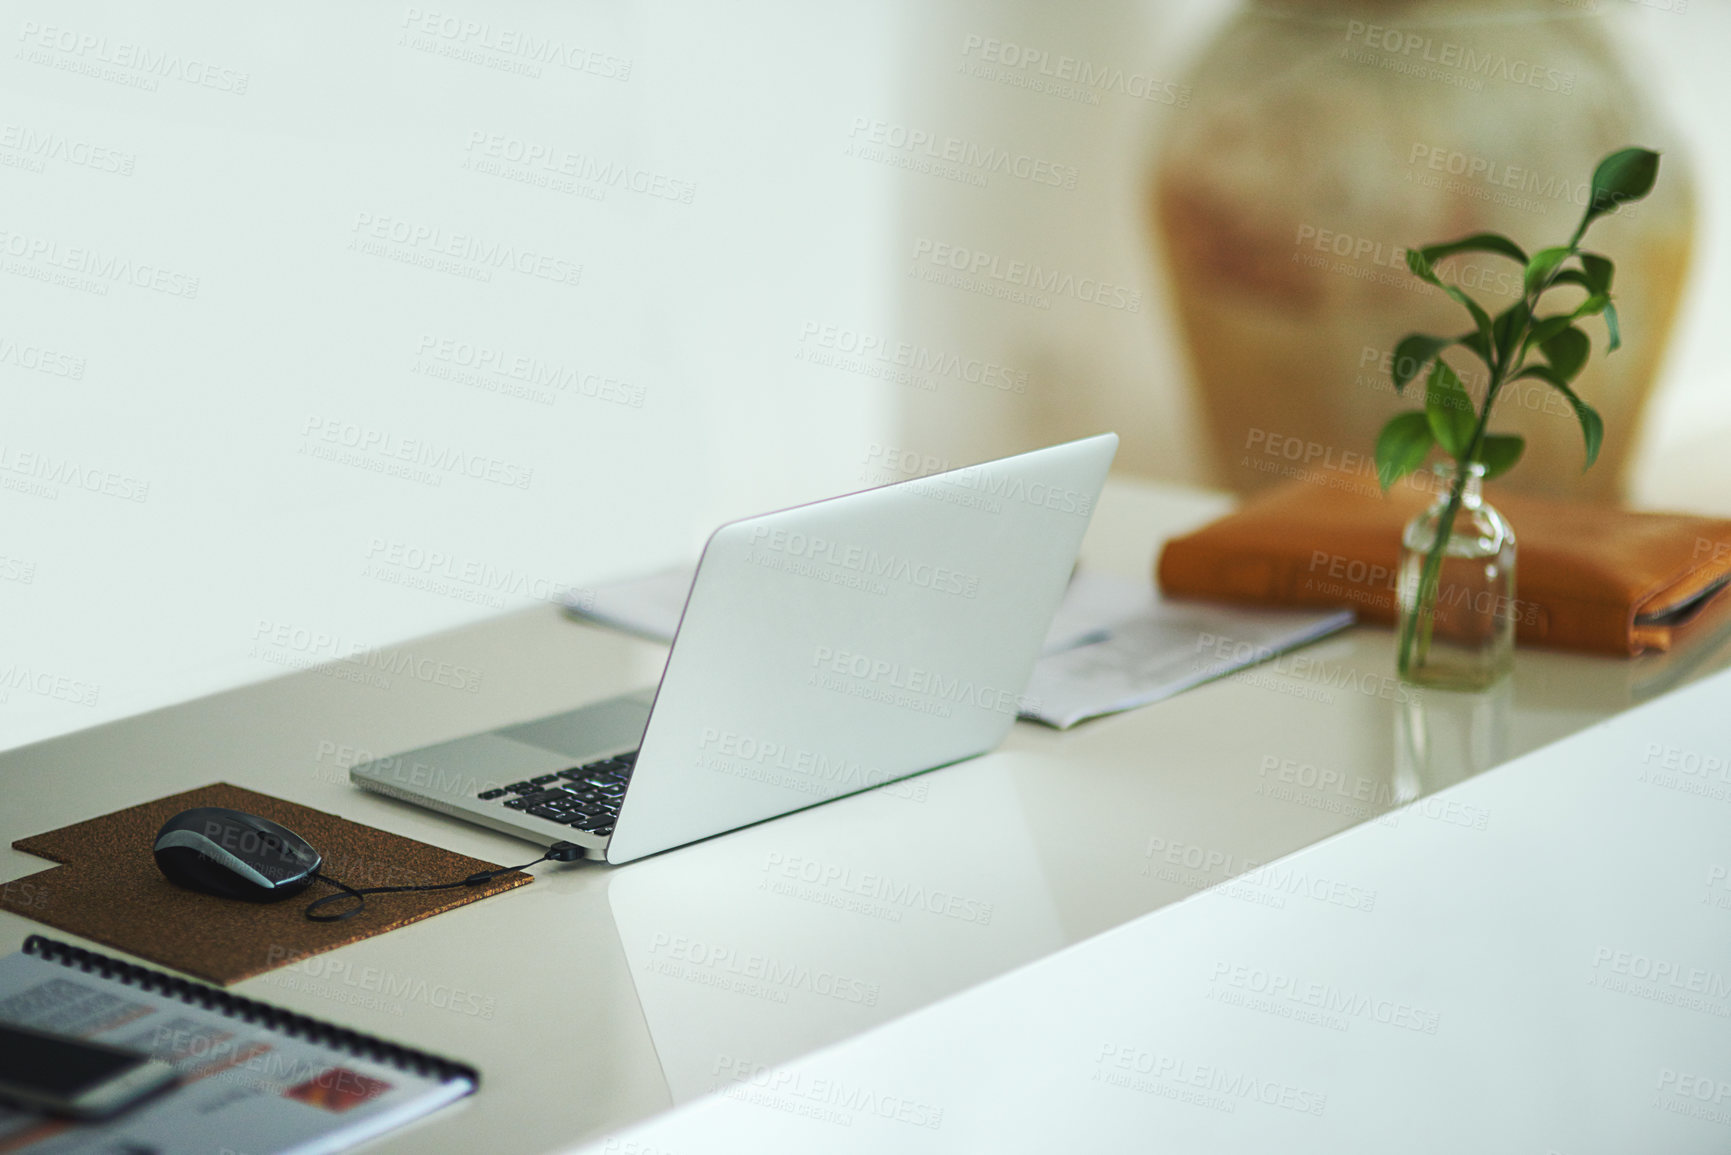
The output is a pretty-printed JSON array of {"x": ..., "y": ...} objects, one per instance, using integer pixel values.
[{"x": 824, "y": 649}]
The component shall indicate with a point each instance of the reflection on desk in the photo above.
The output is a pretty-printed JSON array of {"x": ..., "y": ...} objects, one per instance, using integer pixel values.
[{"x": 789, "y": 936}]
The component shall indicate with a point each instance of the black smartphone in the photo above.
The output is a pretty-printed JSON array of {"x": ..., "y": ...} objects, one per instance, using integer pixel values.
[{"x": 40, "y": 1071}]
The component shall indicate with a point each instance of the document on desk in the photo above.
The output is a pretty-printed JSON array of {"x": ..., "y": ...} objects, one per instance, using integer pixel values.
[
  {"x": 1157, "y": 650},
  {"x": 648, "y": 605},
  {"x": 253, "y": 1078},
  {"x": 1114, "y": 644}
]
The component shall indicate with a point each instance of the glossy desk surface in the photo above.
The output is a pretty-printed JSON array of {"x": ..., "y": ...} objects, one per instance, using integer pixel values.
[
  {"x": 1546, "y": 968},
  {"x": 599, "y": 996}
]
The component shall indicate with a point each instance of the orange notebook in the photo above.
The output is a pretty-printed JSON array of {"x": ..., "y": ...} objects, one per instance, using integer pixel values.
[{"x": 1587, "y": 577}]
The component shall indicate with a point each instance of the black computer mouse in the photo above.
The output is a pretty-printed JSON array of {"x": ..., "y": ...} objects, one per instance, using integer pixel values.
[{"x": 232, "y": 854}]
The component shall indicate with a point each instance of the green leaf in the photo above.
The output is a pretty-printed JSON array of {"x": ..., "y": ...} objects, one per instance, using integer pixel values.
[
  {"x": 1547, "y": 374},
  {"x": 1612, "y": 327},
  {"x": 1592, "y": 431},
  {"x": 1593, "y": 305},
  {"x": 1498, "y": 452},
  {"x": 1572, "y": 277},
  {"x": 1507, "y": 329},
  {"x": 1413, "y": 353},
  {"x": 1480, "y": 317},
  {"x": 1475, "y": 341},
  {"x": 1592, "y": 425},
  {"x": 1477, "y": 243},
  {"x": 1402, "y": 445},
  {"x": 1547, "y": 327},
  {"x": 1421, "y": 268},
  {"x": 1599, "y": 271},
  {"x": 1543, "y": 264},
  {"x": 1625, "y": 175},
  {"x": 1449, "y": 410},
  {"x": 1567, "y": 351}
]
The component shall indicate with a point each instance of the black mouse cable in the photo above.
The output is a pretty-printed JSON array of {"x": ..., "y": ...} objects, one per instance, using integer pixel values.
[{"x": 558, "y": 852}]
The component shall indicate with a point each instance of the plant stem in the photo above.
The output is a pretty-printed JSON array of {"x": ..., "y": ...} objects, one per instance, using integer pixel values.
[
  {"x": 1503, "y": 366},
  {"x": 1424, "y": 602}
]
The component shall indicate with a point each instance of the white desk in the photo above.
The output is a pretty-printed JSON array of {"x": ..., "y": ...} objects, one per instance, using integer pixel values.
[
  {"x": 596, "y": 997},
  {"x": 1556, "y": 978}
]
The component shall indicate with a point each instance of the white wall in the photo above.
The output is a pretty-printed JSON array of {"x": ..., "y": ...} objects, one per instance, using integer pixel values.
[
  {"x": 1678, "y": 49},
  {"x": 171, "y": 520}
]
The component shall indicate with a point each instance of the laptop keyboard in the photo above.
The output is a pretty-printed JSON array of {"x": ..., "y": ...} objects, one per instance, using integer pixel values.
[{"x": 585, "y": 797}]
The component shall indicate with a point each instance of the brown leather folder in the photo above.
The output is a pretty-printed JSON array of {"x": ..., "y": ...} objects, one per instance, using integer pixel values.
[{"x": 1587, "y": 577}]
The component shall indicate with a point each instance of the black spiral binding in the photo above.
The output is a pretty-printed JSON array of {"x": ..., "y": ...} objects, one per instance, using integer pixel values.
[{"x": 350, "y": 1042}]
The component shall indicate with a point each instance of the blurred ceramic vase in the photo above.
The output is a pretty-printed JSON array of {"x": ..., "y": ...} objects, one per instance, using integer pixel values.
[{"x": 1327, "y": 136}]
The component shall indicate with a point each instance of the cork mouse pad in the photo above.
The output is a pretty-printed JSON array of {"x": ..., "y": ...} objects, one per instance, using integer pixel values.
[{"x": 110, "y": 890}]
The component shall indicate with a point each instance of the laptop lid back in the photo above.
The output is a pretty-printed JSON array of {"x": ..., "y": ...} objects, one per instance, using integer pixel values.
[{"x": 835, "y": 646}]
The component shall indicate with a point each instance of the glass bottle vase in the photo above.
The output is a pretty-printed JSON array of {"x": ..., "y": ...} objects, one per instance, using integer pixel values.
[{"x": 1457, "y": 609}]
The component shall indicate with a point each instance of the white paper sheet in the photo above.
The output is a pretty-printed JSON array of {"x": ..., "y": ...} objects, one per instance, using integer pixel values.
[
  {"x": 1164, "y": 650},
  {"x": 647, "y": 605}
]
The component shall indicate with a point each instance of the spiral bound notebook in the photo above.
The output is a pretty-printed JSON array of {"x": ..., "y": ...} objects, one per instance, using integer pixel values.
[{"x": 253, "y": 1077}]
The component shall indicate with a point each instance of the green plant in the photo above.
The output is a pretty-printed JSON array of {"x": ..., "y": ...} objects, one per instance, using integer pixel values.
[{"x": 1449, "y": 419}]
